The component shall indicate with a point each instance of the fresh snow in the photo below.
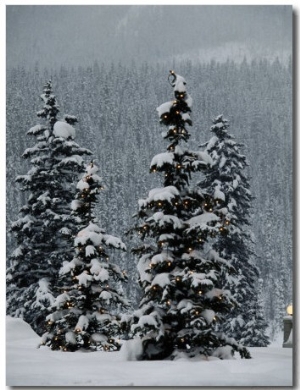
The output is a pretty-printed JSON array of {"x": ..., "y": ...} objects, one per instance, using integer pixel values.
[
  {"x": 203, "y": 156},
  {"x": 186, "y": 116},
  {"x": 143, "y": 266},
  {"x": 222, "y": 161},
  {"x": 162, "y": 219},
  {"x": 114, "y": 241},
  {"x": 84, "y": 278},
  {"x": 70, "y": 338},
  {"x": 203, "y": 219},
  {"x": 164, "y": 108},
  {"x": 43, "y": 293},
  {"x": 76, "y": 204},
  {"x": 90, "y": 250},
  {"x": 60, "y": 301},
  {"x": 106, "y": 296},
  {"x": 159, "y": 194},
  {"x": 94, "y": 234},
  {"x": 161, "y": 159},
  {"x": 218, "y": 194},
  {"x": 82, "y": 323},
  {"x": 179, "y": 84},
  {"x": 68, "y": 266},
  {"x": 64, "y": 130},
  {"x": 146, "y": 320},
  {"x": 82, "y": 185},
  {"x": 75, "y": 159},
  {"x": 209, "y": 315},
  {"x": 212, "y": 142},
  {"x": 235, "y": 182},
  {"x": 160, "y": 258},
  {"x": 189, "y": 101},
  {"x": 26, "y": 365},
  {"x": 36, "y": 129},
  {"x": 161, "y": 280}
]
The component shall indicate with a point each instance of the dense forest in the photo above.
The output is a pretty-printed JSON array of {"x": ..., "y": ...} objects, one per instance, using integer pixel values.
[{"x": 116, "y": 109}]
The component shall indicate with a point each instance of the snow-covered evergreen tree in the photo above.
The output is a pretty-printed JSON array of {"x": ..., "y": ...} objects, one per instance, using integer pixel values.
[
  {"x": 227, "y": 185},
  {"x": 182, "y": 302},
  {"x": 255, "y": 330},
  {"x": 45, "y": 221},
  {"x": 84, "y": 314}
]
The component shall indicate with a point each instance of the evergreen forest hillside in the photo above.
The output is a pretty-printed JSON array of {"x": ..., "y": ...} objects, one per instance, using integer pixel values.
[{"x": 116, "y": 109}]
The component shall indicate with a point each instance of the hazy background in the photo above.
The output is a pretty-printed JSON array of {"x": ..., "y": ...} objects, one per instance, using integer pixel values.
[{"x": 79, "y": 35}]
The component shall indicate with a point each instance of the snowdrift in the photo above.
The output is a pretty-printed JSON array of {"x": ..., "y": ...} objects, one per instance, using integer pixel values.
[{"x": 26, "y": 365}]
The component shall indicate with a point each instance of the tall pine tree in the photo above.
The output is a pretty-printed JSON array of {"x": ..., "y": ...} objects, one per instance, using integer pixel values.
[
  {"x": 182, "y": 302},
  {"x": 45, "y": 223},
  {"x": 227, "y": 185},
  {"x": 84, "y": 314}
]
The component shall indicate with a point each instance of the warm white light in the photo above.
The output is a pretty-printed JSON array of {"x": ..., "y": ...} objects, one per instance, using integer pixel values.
[{"x": 289, "y": 309}]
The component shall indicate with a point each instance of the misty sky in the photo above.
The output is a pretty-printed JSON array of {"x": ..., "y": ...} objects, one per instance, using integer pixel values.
[{"x": 79, "y": 35}]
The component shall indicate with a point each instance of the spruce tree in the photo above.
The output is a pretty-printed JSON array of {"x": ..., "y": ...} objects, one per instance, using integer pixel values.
[
  {"x": 84, "y": 314},
  {"x": 255, "y": 330},
  {"x": 45, "y": 223},
  {"x": 227, "y": 185},
  {"x": 182, "y": 302}
]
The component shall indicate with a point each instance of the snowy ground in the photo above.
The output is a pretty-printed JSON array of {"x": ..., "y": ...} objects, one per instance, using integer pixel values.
[{"x": 28, "y": 366}]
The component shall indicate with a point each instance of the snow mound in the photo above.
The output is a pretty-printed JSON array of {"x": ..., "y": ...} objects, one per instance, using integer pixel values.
[
  {"x": 224, "y": 352},
  {"x": 131, "y": 350},
  {"x": 64, "y": 130},
  {"x": 17, "y": 329}
]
